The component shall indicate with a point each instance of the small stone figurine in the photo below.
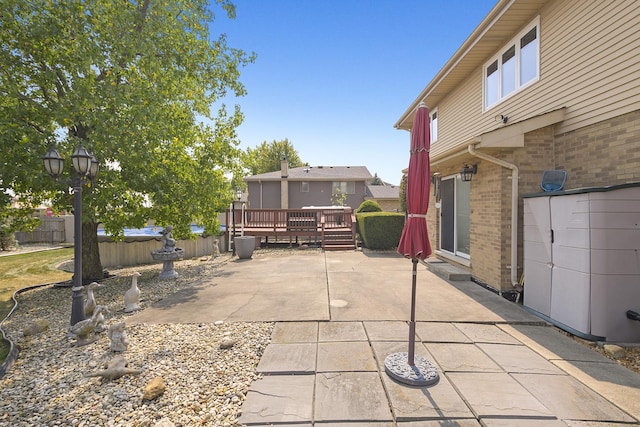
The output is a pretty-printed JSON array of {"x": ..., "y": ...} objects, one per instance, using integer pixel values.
[
  {"x": 168, "y": 242},
  {"x": 90, "y": 303},
  {"x": 118, "y": 337},
  {"x": 132, "y": 296},
  {"x": 216, "y": 249},
  {"x": 100, "y": 319}
]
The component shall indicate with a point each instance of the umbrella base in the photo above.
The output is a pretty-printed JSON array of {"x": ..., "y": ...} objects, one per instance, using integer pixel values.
[{"x": 423, "y": 373}]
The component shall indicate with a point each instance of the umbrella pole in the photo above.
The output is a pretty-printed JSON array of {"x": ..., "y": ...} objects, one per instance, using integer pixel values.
[{"x": 412, "y": 323}]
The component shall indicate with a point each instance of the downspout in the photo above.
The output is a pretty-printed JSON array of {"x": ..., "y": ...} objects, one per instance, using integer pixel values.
[{"x": 514, "y": 208}]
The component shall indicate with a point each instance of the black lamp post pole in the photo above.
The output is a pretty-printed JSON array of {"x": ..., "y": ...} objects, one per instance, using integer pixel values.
[
  {"x": 77, "y": 302},
  {"x": 85, "y": 166}
]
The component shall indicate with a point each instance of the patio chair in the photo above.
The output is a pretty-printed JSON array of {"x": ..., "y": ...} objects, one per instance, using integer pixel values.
[{"x": 553, "y": 180}]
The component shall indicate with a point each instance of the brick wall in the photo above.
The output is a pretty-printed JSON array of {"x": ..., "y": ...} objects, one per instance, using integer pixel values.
[{"x": 607, "y": 153}]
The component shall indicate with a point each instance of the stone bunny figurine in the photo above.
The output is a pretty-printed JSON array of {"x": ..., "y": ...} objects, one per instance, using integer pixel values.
[{"x": 118, "y": 337}]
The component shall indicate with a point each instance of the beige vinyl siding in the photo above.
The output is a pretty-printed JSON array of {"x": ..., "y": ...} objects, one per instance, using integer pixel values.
[{"x": 589, "y": 54}]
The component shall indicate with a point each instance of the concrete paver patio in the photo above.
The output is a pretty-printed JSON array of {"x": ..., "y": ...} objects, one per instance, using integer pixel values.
[{"x": 339, "y": 314}]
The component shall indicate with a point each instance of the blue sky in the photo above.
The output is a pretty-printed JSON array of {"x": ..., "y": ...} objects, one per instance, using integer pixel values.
[{"x": 334, "y": 76}]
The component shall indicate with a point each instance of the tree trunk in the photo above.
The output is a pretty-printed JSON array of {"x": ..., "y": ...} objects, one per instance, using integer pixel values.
[{"x": 91, "y": 265}]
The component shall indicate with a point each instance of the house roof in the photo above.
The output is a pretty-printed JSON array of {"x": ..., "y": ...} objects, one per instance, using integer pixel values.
[
  {"x": 317, "y": 173},
  {"x": 505, "y": 19},
  {"x": 382, "y": 192}
]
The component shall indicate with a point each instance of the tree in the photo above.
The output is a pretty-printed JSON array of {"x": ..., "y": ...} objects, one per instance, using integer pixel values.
[
  {"x": 266, "y": 157},
  {"x": 376, "y": 180},
  {"x": 132, "y": 82},
  {"x": 403, "y": 193},
  {"x": 14, "y": 219}
]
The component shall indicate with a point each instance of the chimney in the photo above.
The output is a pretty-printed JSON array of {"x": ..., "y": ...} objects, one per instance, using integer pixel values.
[{"x": 284, "y": 167}]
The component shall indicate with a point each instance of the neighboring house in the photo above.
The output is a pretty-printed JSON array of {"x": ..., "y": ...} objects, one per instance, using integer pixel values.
[
  {"x": 296, "y": 188},
  {"x": 387, "y": 196},
  {"x": 539, "y": 85}
]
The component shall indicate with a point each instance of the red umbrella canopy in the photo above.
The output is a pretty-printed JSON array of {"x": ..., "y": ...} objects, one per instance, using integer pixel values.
[{"x": 414, "y": 242}]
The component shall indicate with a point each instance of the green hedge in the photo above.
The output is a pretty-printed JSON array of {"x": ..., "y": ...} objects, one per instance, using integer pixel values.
[
  {"x": 369, "y": 206},
  {"x": 380, "y": 230}
]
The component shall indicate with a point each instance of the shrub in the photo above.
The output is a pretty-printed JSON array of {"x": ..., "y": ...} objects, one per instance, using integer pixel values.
[
  {"x": 369, "y": 206},
  {"x": 380, "y": 230}
]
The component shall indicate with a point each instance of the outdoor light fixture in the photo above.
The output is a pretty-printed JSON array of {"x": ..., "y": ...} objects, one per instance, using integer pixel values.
[
  {"x": 86, "y": 169},
  {"x": 502, "y": 118},
  {"x": 467, "y": 172},
  {"x": 436, "y": 178}
]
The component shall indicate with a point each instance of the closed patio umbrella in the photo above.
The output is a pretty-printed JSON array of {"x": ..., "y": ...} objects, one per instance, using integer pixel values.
[{"x": 414, "y": 243}]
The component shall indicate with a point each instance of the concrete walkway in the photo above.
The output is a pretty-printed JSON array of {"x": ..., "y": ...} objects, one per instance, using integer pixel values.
[{"x": 339, "y": 314}]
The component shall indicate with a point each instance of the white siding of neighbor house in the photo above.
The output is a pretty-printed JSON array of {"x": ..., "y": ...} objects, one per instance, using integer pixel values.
[{"x": 589, "y": 63}]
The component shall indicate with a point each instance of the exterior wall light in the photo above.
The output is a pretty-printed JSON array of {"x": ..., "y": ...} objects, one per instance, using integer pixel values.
[{"x": 467, "y": 172}]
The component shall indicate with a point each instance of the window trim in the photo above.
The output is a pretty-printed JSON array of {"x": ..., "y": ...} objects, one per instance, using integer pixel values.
[
  {"x": 346, "y": 185},
  {"x": 304, "y": 186},
  {"x": 515, "y": 42},
  {"x": 433, "y": 134}
]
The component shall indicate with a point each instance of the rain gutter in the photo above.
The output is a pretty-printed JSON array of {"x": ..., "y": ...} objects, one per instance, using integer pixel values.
[{"x": 514, "y": 207}]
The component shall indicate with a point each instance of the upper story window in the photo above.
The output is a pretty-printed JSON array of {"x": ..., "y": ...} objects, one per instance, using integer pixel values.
[
  {"x": 434, "y": 125},
  {"x": 514, "y": 67},
  {"x": 304, "y": 186},
  {"x": 345, "y": 187}
]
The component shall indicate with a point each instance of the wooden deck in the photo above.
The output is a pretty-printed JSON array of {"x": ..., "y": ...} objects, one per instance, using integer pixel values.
[{"x": 334, "y": 229}]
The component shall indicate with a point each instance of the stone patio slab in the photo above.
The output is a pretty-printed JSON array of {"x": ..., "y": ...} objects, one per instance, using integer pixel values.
[
  {"x": 350, "y": 396},
  {"x": 570, "y": 399},
  {"x": 620, "y": 385},
  {"x": 288, "y": 359},
  {"x": 519, "y": 358},
  {"x": 279, "y": 399},
  {"x": 345, "y": 356},
  {"x": 342, "y": 331},
  {"x": 552, "y": 344},
  {"x": 478, "y": 333},
  {"x": 295, "y": 332},
  {"x": 452, "y": 357},
  {"x": 382, "y": 349},
  {"x": 440, "y": 423},
  {"x": 387, "y": 331},
  {"x": 439, "y": 401},
  {"x": 493, "y": 394},
  {"x": 440, "y": 332},
  {"x": 528, "y": 422}
]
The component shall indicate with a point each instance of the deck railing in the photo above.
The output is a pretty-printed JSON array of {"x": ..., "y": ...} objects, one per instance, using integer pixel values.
[{"x": 307, "y": 222}]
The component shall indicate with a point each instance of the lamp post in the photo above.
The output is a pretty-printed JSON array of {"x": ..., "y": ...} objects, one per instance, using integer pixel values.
[
  {"x": 86, "y": 167},
  {"x": 233, "y": 219}
]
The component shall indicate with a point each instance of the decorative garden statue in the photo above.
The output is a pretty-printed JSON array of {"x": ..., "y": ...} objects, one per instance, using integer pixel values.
[
  {"x": 132, "y": 296},
  {"x": 118, "y": 337},
  {"x": 90, "y": 302},
  {"x": 168, "y": 254},
  {"x": 168, "y": 242}
]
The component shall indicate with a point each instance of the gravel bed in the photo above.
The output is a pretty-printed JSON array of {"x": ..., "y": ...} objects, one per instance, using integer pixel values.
[{"x": 206, "y": 384}]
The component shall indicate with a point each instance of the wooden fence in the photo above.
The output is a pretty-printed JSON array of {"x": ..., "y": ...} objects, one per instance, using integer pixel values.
[{"x": 51, "y": 230}]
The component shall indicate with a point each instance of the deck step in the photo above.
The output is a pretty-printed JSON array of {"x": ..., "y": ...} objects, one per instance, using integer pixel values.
[
  {"x": 338, "y": 240},
  {"x": 343, "y": 247},
  {"x": 447, "y": 271}
]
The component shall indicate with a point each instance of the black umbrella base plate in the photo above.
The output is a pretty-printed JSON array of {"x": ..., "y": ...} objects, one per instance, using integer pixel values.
[{"x": 423, "y": 373}]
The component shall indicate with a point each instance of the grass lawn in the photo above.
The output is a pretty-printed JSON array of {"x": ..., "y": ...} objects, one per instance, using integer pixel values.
[{"x": 27, "y": 269}]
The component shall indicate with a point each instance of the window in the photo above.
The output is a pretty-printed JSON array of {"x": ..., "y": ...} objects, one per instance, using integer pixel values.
[
  {"x": 345, "y": 187},
  {"x": 434, "y": 125},
  {"x": 304, "y": 187},
  {"x": 514, "y": 67}
]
